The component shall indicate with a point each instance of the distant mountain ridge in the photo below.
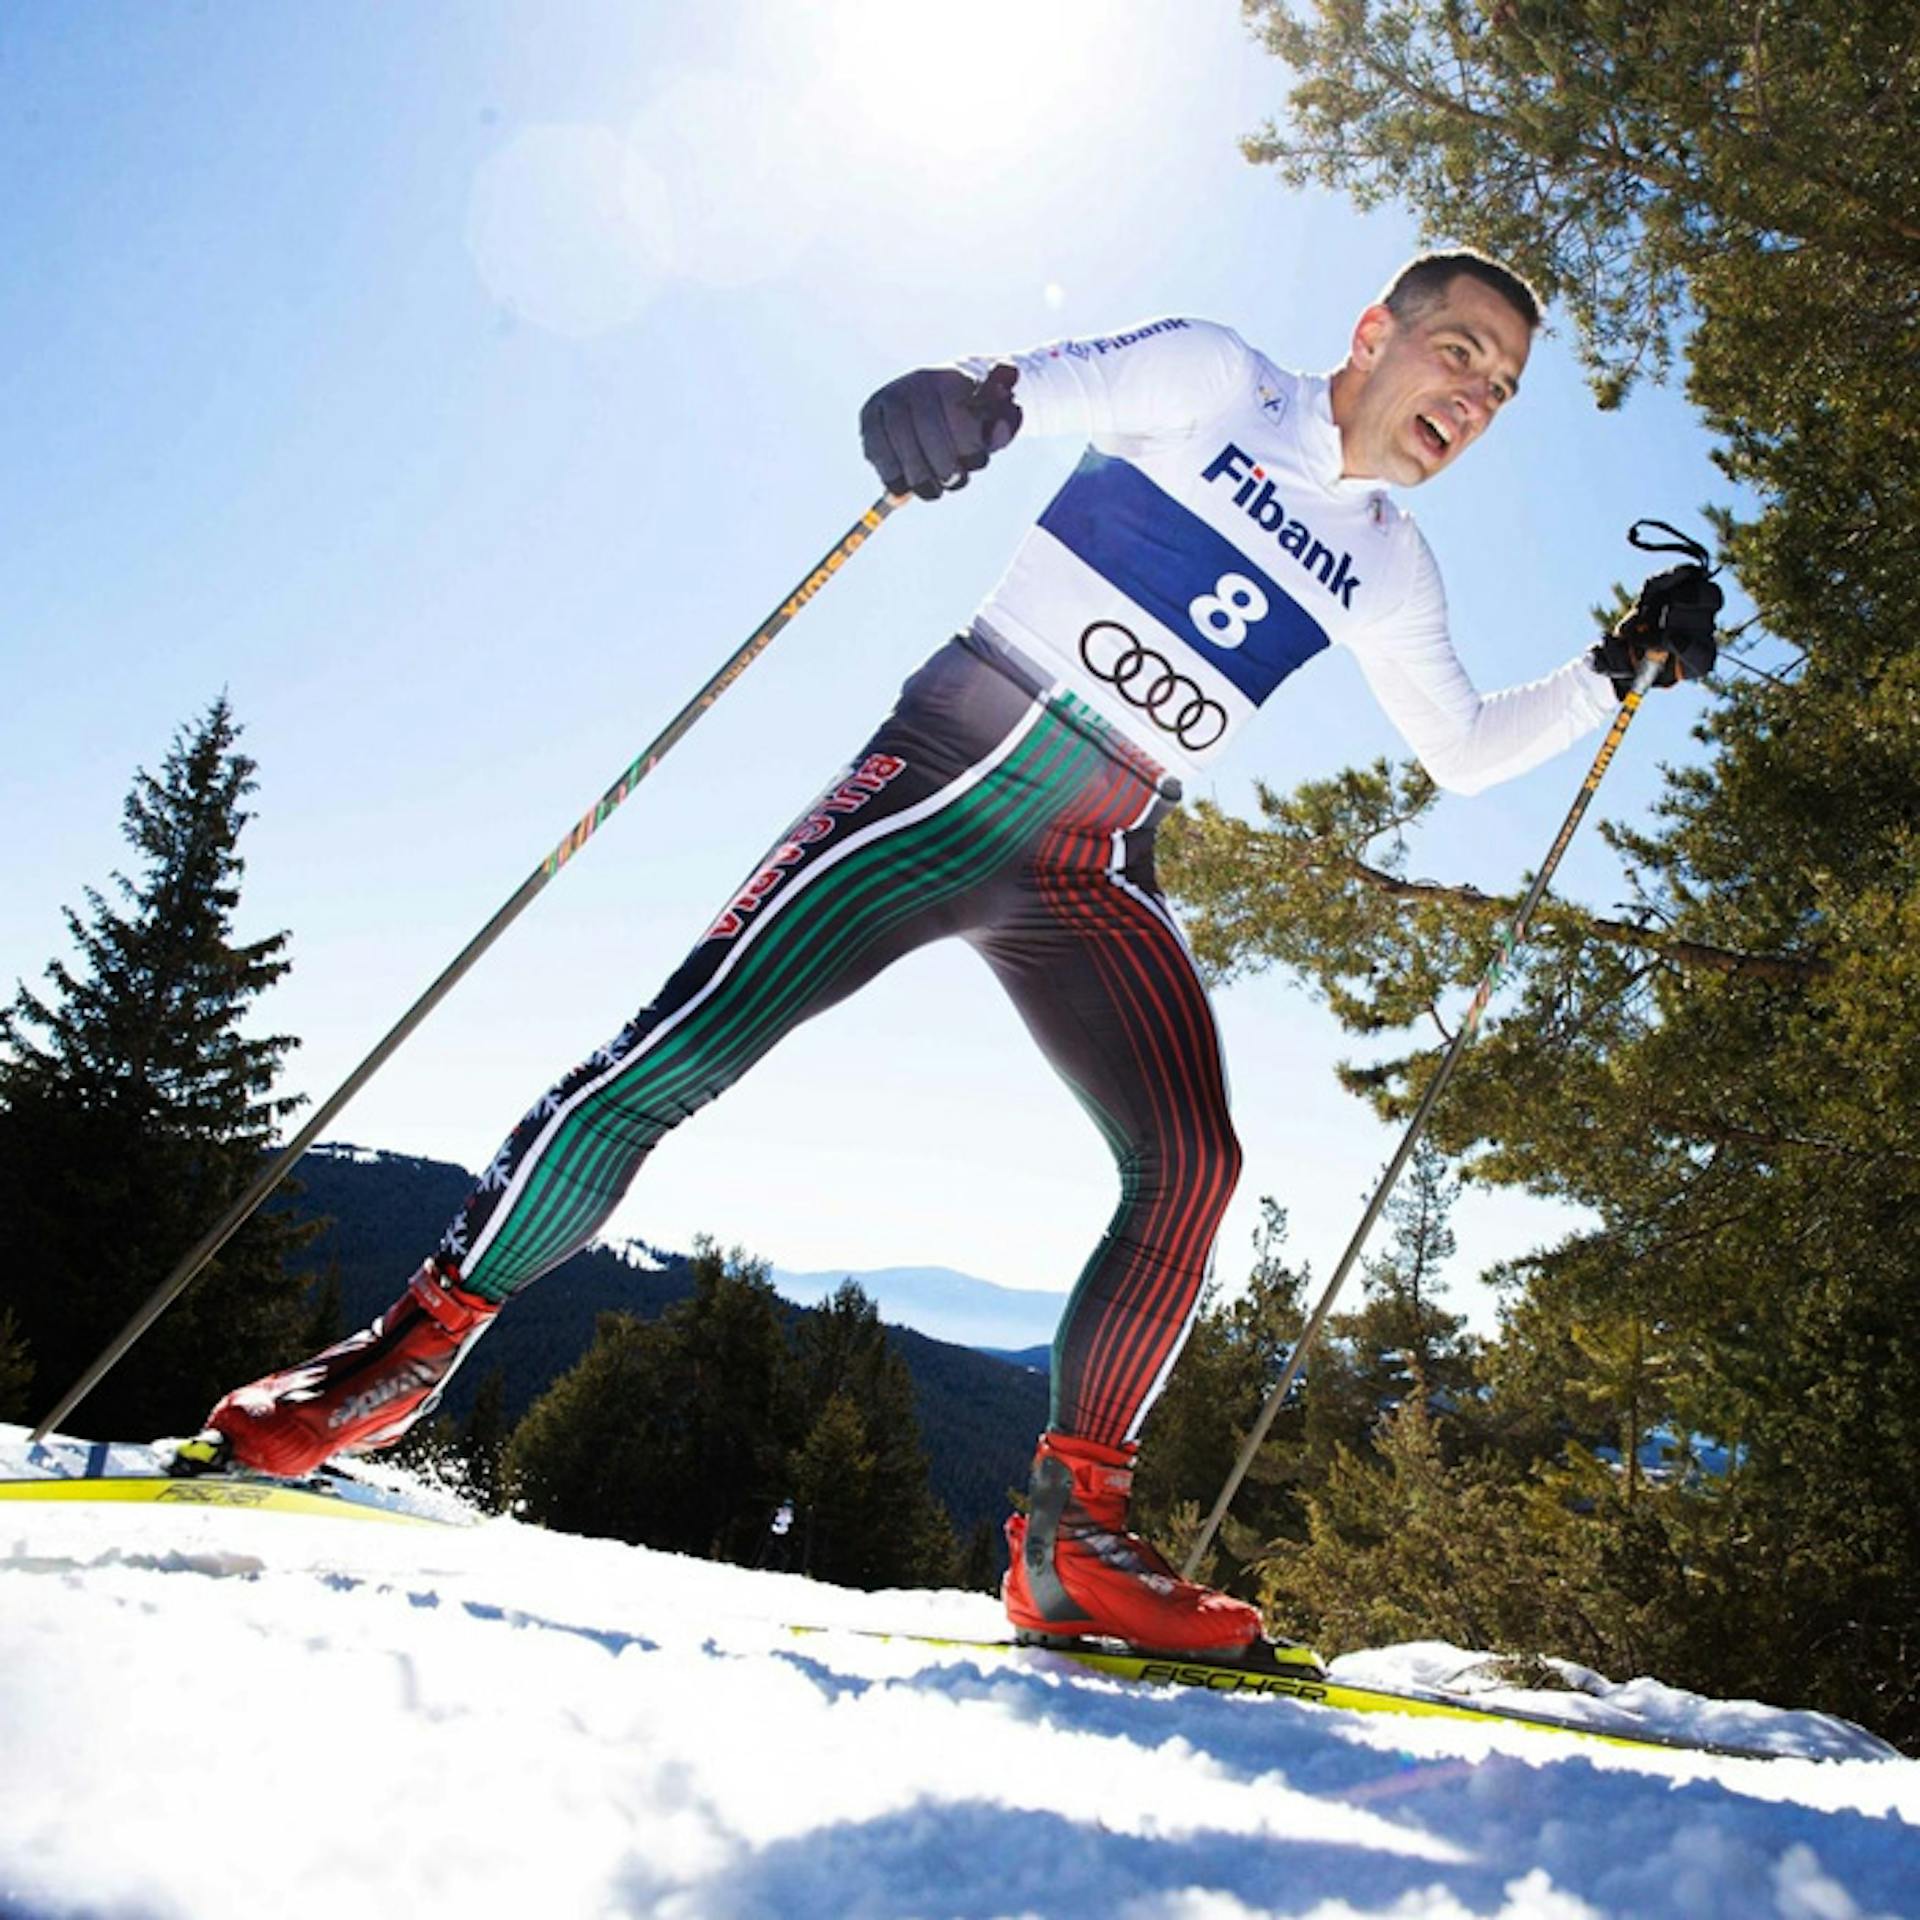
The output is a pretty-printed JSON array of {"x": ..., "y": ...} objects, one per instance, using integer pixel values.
[
  {"x": 941, "y": 1303},
  {"x": 385, "y": 1211},
  {"x": 1034, "y": 1359}
]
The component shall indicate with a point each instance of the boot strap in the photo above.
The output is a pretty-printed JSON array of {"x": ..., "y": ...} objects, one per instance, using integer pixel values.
[
  {"x": 454, "y": 1312},
  {"x": 1094, "y": 1478}
]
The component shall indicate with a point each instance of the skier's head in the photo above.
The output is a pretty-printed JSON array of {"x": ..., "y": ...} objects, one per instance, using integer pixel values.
[{"x": 1431, "y": 362}]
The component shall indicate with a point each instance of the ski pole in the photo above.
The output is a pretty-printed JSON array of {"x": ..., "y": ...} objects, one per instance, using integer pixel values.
[
  {"x": 644, "y": 763},
  {"x": 1511, "y": 939}
]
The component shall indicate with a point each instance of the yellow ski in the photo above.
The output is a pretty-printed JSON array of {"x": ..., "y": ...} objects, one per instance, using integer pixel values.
[{"x": 1294, "y": 1673}]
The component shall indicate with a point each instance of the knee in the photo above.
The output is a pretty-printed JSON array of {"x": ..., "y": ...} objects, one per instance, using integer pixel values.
[
  {"x": 1214, "y": 1149},
  {"x": 1223, "y": 1157},
  {"x": 1232, "y": 1158},
  {"x": 1198, "y": 1162}
]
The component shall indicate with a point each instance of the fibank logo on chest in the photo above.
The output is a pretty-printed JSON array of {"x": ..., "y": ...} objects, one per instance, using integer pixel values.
[{"x": 1255, "y": 497}]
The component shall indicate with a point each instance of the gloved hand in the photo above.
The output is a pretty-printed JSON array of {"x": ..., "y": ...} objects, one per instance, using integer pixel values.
[
  {"x": 1674, "y": 615},
  {"x": 926, "y": 431}
]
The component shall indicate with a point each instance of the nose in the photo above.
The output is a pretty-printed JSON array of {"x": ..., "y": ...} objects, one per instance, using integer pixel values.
[{"x": 1474, "y": 404}]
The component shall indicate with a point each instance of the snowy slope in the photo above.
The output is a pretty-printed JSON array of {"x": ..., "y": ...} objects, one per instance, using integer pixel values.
[{"x": 214, "y": 1713}]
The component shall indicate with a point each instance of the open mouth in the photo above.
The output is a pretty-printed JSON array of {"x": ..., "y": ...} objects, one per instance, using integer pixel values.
[{"x": 1433, "y": 433}]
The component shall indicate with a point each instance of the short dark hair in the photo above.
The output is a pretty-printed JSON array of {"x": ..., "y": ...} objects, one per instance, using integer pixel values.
[{"x": 1426, "y": 277}]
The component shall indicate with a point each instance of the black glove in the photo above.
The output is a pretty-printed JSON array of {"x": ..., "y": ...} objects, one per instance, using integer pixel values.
[
  {"x": 1674, "y": 615},
  {"x": 926, "y": 431}
]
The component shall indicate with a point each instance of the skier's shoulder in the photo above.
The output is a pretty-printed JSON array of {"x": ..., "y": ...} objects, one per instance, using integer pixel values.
[
  {"x": 1403, "y": 527},
  {"x": 1173, "y": 347},
  {"x": 1166, "y": 332}
]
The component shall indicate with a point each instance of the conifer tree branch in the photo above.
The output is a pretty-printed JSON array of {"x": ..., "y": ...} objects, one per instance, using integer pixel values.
[
  {"x": 1696, "y": 954},
  {"x": 1725, "y": 1133}
]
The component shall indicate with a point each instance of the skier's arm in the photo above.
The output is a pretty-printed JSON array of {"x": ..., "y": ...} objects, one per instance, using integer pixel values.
[
  {"x": 1465, "y": 739},
  {"x": 1163, "y": 377},
  {"x": 925, "y": 432}
]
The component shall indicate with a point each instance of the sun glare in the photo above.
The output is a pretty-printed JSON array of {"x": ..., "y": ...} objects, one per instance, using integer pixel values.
[
  {"x": 726, "y": 176},
  {"x": 566, "y": 230},
  {"x": 968, "y": 91}
]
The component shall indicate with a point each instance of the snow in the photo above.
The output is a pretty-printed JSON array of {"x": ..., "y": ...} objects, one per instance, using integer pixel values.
[
  {"x": 355, "y": 1156},
  {"x": 212, "y": 1713}
]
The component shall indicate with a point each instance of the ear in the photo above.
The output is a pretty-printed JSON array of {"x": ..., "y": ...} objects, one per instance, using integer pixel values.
[{"x": 1371, "y": 332}]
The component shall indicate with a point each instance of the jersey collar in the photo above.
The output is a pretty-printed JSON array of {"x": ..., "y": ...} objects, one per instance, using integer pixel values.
[{"x": 1319, "y": 441}]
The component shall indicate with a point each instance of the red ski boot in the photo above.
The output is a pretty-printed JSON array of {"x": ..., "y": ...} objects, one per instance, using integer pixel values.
[
  {"x": 361, "y": 1394},
  {"x": 1077, "y": 1570}
]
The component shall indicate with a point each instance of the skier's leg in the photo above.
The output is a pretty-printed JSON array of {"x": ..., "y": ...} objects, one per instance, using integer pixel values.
[
  {"x": 955, "y": 787},
  {"x": 1105, "y": 983}
]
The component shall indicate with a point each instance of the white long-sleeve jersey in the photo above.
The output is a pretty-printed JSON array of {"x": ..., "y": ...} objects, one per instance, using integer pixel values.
[{"x": 1207, "y": 546}]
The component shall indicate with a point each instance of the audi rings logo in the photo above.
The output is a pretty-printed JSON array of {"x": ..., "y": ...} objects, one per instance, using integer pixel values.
[{"x": 1147, "y": 680}]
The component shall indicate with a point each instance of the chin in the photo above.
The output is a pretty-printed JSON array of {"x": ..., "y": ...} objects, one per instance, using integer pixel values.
[
  {"x": 1421, "y": 461},
  {"x": 1428, "y": 465}
]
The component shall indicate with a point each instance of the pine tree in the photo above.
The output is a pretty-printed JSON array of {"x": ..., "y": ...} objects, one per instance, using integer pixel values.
[
  {"x": 836, "y": 1514},
  {"x": 735, "y": 1387},
  {"x": 1397, "y": 1349},
  {"x": 863, "y": 1512},
  {"x": 483, "y": 1440},
  {"x": 594, "y": 1453},
  {"x": 323, "y": 1312},
  {"x": 16, "y": 1369},
  {"x": 1407, "y": 1321},
  {"x": 983, "y": 1560},
  {"x": 134, "y": 1109},
  {"x": 670, "y": 1433},
  {"x": 1401, "y": 1547}
]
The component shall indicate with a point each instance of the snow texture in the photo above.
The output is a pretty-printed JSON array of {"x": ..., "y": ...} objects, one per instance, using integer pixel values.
[{"x": 208, "y": 1713}]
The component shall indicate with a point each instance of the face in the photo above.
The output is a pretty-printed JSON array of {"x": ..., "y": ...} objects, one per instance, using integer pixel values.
[{"x": 1415, "y": 394}]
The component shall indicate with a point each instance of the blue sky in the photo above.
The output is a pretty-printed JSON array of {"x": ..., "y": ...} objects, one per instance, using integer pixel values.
[{"x": 456, "y": 386}]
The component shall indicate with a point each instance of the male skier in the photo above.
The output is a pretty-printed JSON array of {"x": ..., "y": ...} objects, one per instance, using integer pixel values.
[{"x": 1227, "y": 522}]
